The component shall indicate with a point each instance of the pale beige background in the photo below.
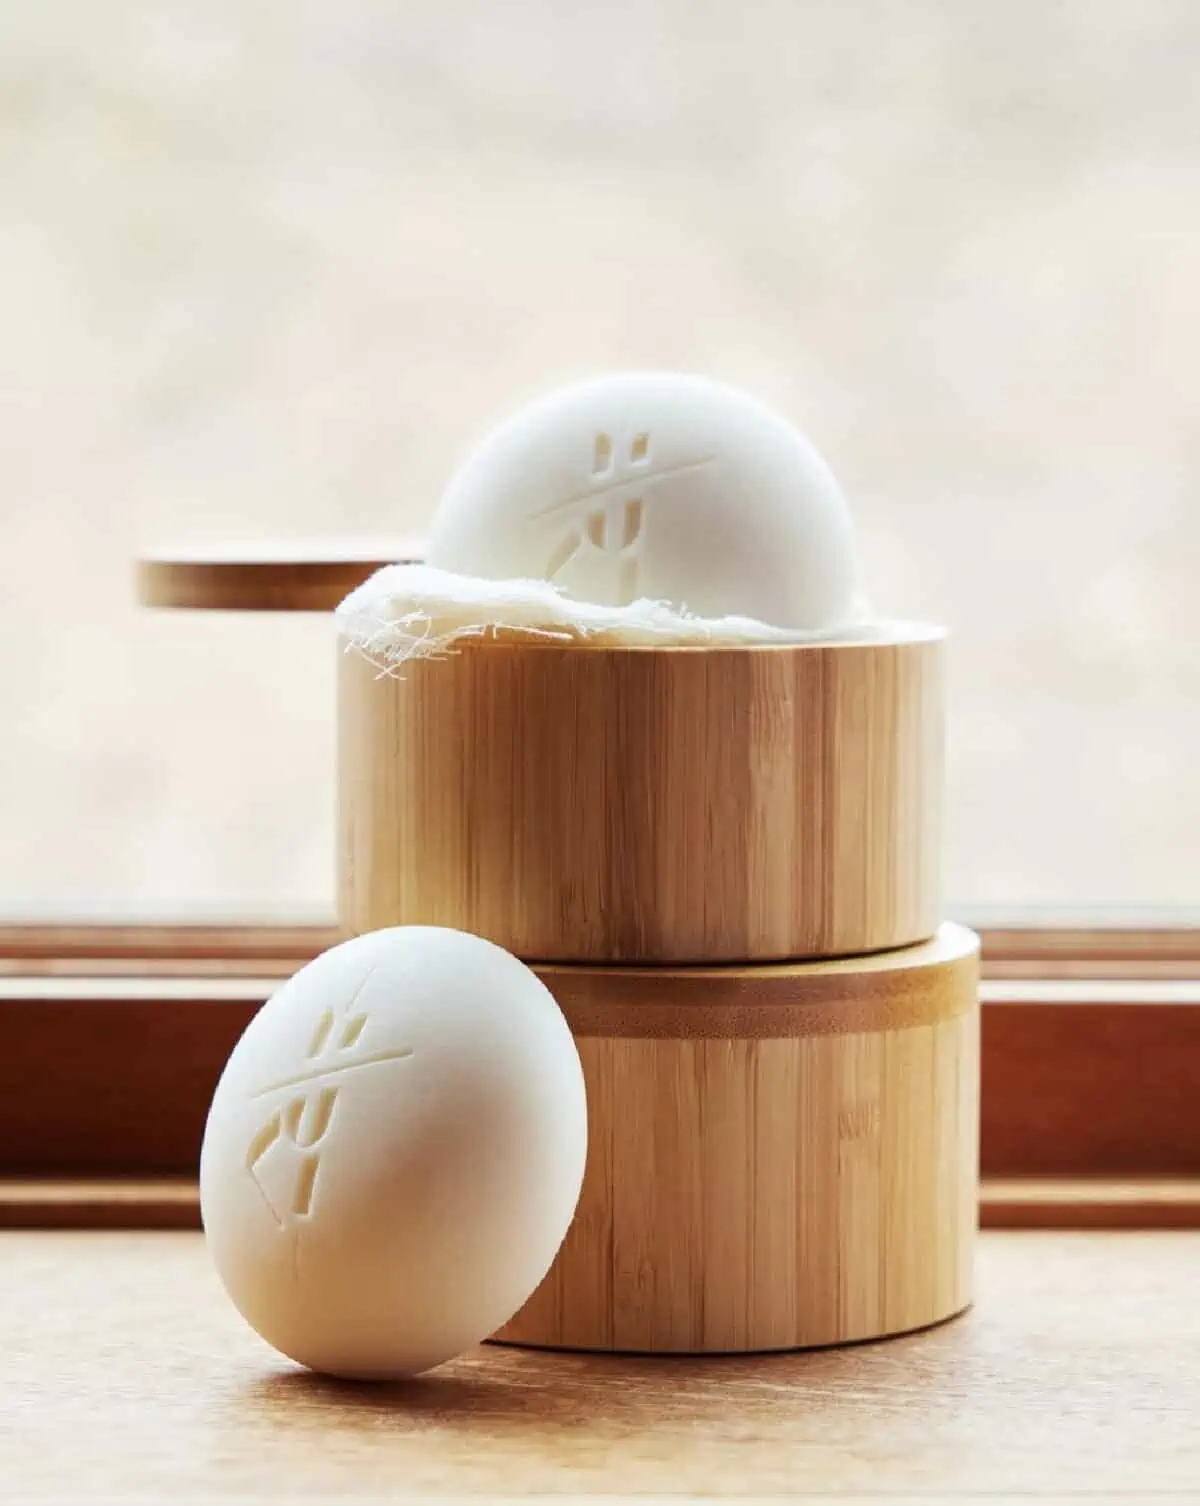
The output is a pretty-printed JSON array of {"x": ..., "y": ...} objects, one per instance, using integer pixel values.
[{"x": 266, "y": 268}]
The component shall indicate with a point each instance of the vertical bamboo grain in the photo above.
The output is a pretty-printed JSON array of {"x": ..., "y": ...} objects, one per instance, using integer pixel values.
[
  {"x": 648, "y": 805},
  {"x": 780, "y": 1185}
]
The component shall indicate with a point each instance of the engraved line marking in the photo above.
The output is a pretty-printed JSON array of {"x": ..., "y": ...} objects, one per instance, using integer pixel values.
[
  {"x": 563, "y": 555},
  {"x": 324, "y": 1112},
  {"x": 307, "y": 1118},
  {"x": 601, "y": 528},
  {"x": 357, "y": 994},
  {"x": 262, "y": 1192},
  {"x": 351, "y": 1031},
  {"x": 259, "y": 1146},
  {"x": 321, "y": 1034},
  {"x": 353, "y": 1026},
  {"x": 305, "y": 1184},
  {"x": 333, "y": 1070},
  {"x": 639, "y": 480},
  {"x": 264, "y": 1140},
  {"x": 633, "y": 522}
]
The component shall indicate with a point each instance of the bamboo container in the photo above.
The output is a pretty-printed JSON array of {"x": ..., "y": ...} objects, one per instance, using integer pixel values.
[
  {"x": 778, "y": 1156},
  {"x": 648, "y": 805}
]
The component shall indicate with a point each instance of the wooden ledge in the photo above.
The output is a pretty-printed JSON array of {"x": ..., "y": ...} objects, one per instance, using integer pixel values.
[
  {"x": 916, "y": 985},
  {"x": 1093, "y": 1203},
  {"x": 265, "y": 577},
  {"x": 110, "y": 1075}
]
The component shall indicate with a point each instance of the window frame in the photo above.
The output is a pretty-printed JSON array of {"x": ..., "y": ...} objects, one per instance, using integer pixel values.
[
  {"x": 1011, "y": 948},
  {"x": 114, "y": 1036}
]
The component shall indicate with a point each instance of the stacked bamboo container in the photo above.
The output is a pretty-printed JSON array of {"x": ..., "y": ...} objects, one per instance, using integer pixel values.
[{"x": 724, "y": 863}]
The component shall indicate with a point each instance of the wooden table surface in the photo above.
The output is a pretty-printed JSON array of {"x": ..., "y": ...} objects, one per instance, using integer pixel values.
[{"x": 125, "y": 1374}]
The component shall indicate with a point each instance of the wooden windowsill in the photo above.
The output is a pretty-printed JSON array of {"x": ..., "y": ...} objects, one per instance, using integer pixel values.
[
  {"x": 114, "y": 1037},
  {"x": 1043, "y": 951},
  {"x": 108, "y": 1077},
  {"x": 131, "y": 1377},
  {"x": 1004, "y": 1203}
]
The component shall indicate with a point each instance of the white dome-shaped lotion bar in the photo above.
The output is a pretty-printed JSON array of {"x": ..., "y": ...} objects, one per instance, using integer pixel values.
[
  {"x": 661, "y": 486},
  {"x": 394, "y": 1152}
]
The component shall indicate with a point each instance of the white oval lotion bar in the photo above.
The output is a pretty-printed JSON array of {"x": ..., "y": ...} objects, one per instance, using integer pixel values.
[
  {"x": 658, "y": 485},
  {"x": 394, "y": 1152}
]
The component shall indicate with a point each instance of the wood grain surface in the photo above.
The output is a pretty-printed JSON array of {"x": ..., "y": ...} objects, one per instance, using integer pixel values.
[
  {"x": 768, "y": 1194},
  {"x": 264, "y": 577},
  {"x": 1090, "y": 1203},
  {"x": 763, "y": 1173},
  {"x": 925, "y": 984},
  {"x": 625, "y": 805},
  {"x": 125, "y": 1374}
]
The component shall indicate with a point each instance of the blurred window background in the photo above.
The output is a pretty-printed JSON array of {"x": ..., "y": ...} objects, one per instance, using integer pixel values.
[{"x": 269, "y": 267}]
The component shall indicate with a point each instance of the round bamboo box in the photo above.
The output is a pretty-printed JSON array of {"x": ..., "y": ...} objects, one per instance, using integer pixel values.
[
  {"x": 648, "y": 805},
  {"x": 779, "y": 1157}
]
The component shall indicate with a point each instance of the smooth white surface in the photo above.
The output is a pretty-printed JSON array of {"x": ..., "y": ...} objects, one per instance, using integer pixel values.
[
  {"x": 394, "y": 1152},
  {"x": 661, "y": 486}
]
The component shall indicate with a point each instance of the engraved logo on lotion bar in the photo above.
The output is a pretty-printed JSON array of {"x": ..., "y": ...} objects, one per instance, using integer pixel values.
[
  {"x": 372, "y": 1216},
  {"x": 607, "y": 519},
  {"x": 284, "y": 1156}
]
